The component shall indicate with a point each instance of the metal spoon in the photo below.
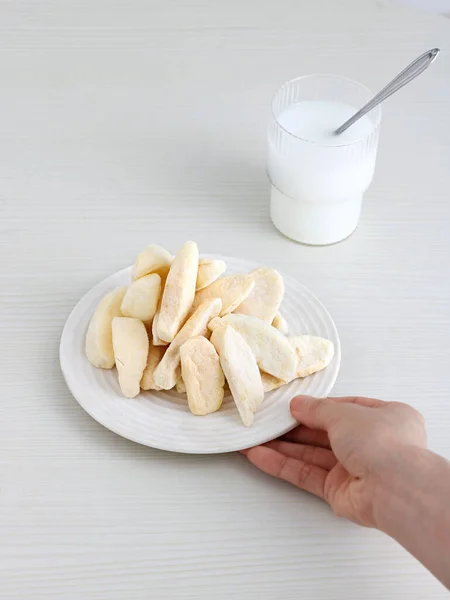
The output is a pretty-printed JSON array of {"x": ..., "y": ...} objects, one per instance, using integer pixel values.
[{"x": 417, "y": 67}]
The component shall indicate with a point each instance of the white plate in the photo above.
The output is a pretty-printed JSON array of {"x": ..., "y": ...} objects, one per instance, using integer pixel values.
[{"x": 162, "y": 419}]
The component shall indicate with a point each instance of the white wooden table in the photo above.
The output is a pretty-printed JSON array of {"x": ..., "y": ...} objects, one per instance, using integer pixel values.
[{"x": 125, "y": 123}]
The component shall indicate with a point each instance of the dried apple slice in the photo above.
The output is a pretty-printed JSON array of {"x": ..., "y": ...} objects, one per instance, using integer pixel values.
[
  {"x": 208, "y": 272},
  {"x": 232, "y": 290},
  {"x": 265, "y": 298},
  {"x": 141, "y": 299},
  {"x": 154, "y": 357},
  {"x": 273, "y": 352},
  {"x": 130, "y": 342},
  {"x": 179, "y": 292},
  {"x": 168, "y": 371},
  {"x": 314, "y": 353},
  {"x": 241, "y": 371},
  {"x": 280, "y": 323},
  {"x": 99, "y": 345},
  {"x": 271, "y": 383},
  {"x": 154, "y": 259},
  {"x": 180, "y": 386},
  {"x": 202, "y": 375},
  {"x": 157, "y": 341}
]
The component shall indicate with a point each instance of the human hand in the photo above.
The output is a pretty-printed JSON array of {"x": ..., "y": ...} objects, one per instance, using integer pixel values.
[{"x": 343, "y": 450}]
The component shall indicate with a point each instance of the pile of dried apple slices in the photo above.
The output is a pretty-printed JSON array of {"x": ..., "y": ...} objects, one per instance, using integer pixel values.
[{"x": 182, "y": 323}]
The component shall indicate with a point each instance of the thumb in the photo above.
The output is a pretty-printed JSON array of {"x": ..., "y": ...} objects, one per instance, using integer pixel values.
[{"x": 315, "y": 413}]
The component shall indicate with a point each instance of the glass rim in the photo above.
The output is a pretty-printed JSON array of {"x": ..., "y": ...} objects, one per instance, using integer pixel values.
[{"x": 376, "y": 123}]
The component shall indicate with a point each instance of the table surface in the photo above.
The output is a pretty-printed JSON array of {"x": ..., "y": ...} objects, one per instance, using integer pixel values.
[{"x": 125, "y": 123}]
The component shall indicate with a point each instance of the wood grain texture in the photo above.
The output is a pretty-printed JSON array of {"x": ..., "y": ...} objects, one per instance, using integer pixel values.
[{"x": 125, "y": 123}]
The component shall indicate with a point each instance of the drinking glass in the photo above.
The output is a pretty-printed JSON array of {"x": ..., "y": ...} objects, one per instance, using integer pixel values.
[{"x": 318, "y": 183}]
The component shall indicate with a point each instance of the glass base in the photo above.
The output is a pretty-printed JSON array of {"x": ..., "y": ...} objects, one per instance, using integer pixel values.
[{"x": 314, "y": 224}]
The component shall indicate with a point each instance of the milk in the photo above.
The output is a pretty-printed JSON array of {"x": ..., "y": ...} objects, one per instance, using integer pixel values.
[
  {"x": 317, "y": 120},
  {"x": 319, "y": 178}
]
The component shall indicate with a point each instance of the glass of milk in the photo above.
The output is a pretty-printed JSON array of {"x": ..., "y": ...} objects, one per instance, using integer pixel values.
[{"x": 319, "y": 178}]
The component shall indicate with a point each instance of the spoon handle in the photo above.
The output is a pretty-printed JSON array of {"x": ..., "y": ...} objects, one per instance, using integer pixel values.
[{"x": 417, "y": 67}]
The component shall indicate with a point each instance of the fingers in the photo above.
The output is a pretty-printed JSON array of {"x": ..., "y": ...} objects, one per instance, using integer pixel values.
[
  {"x": 320, "y": 457},
  {"x": 304, "y": 435},
  {"x": 315, "y": 413},
  {"x": 306, "y": 476},
  {"x": 322, "y": 413},
  {"x": 368, "y": 402}
]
